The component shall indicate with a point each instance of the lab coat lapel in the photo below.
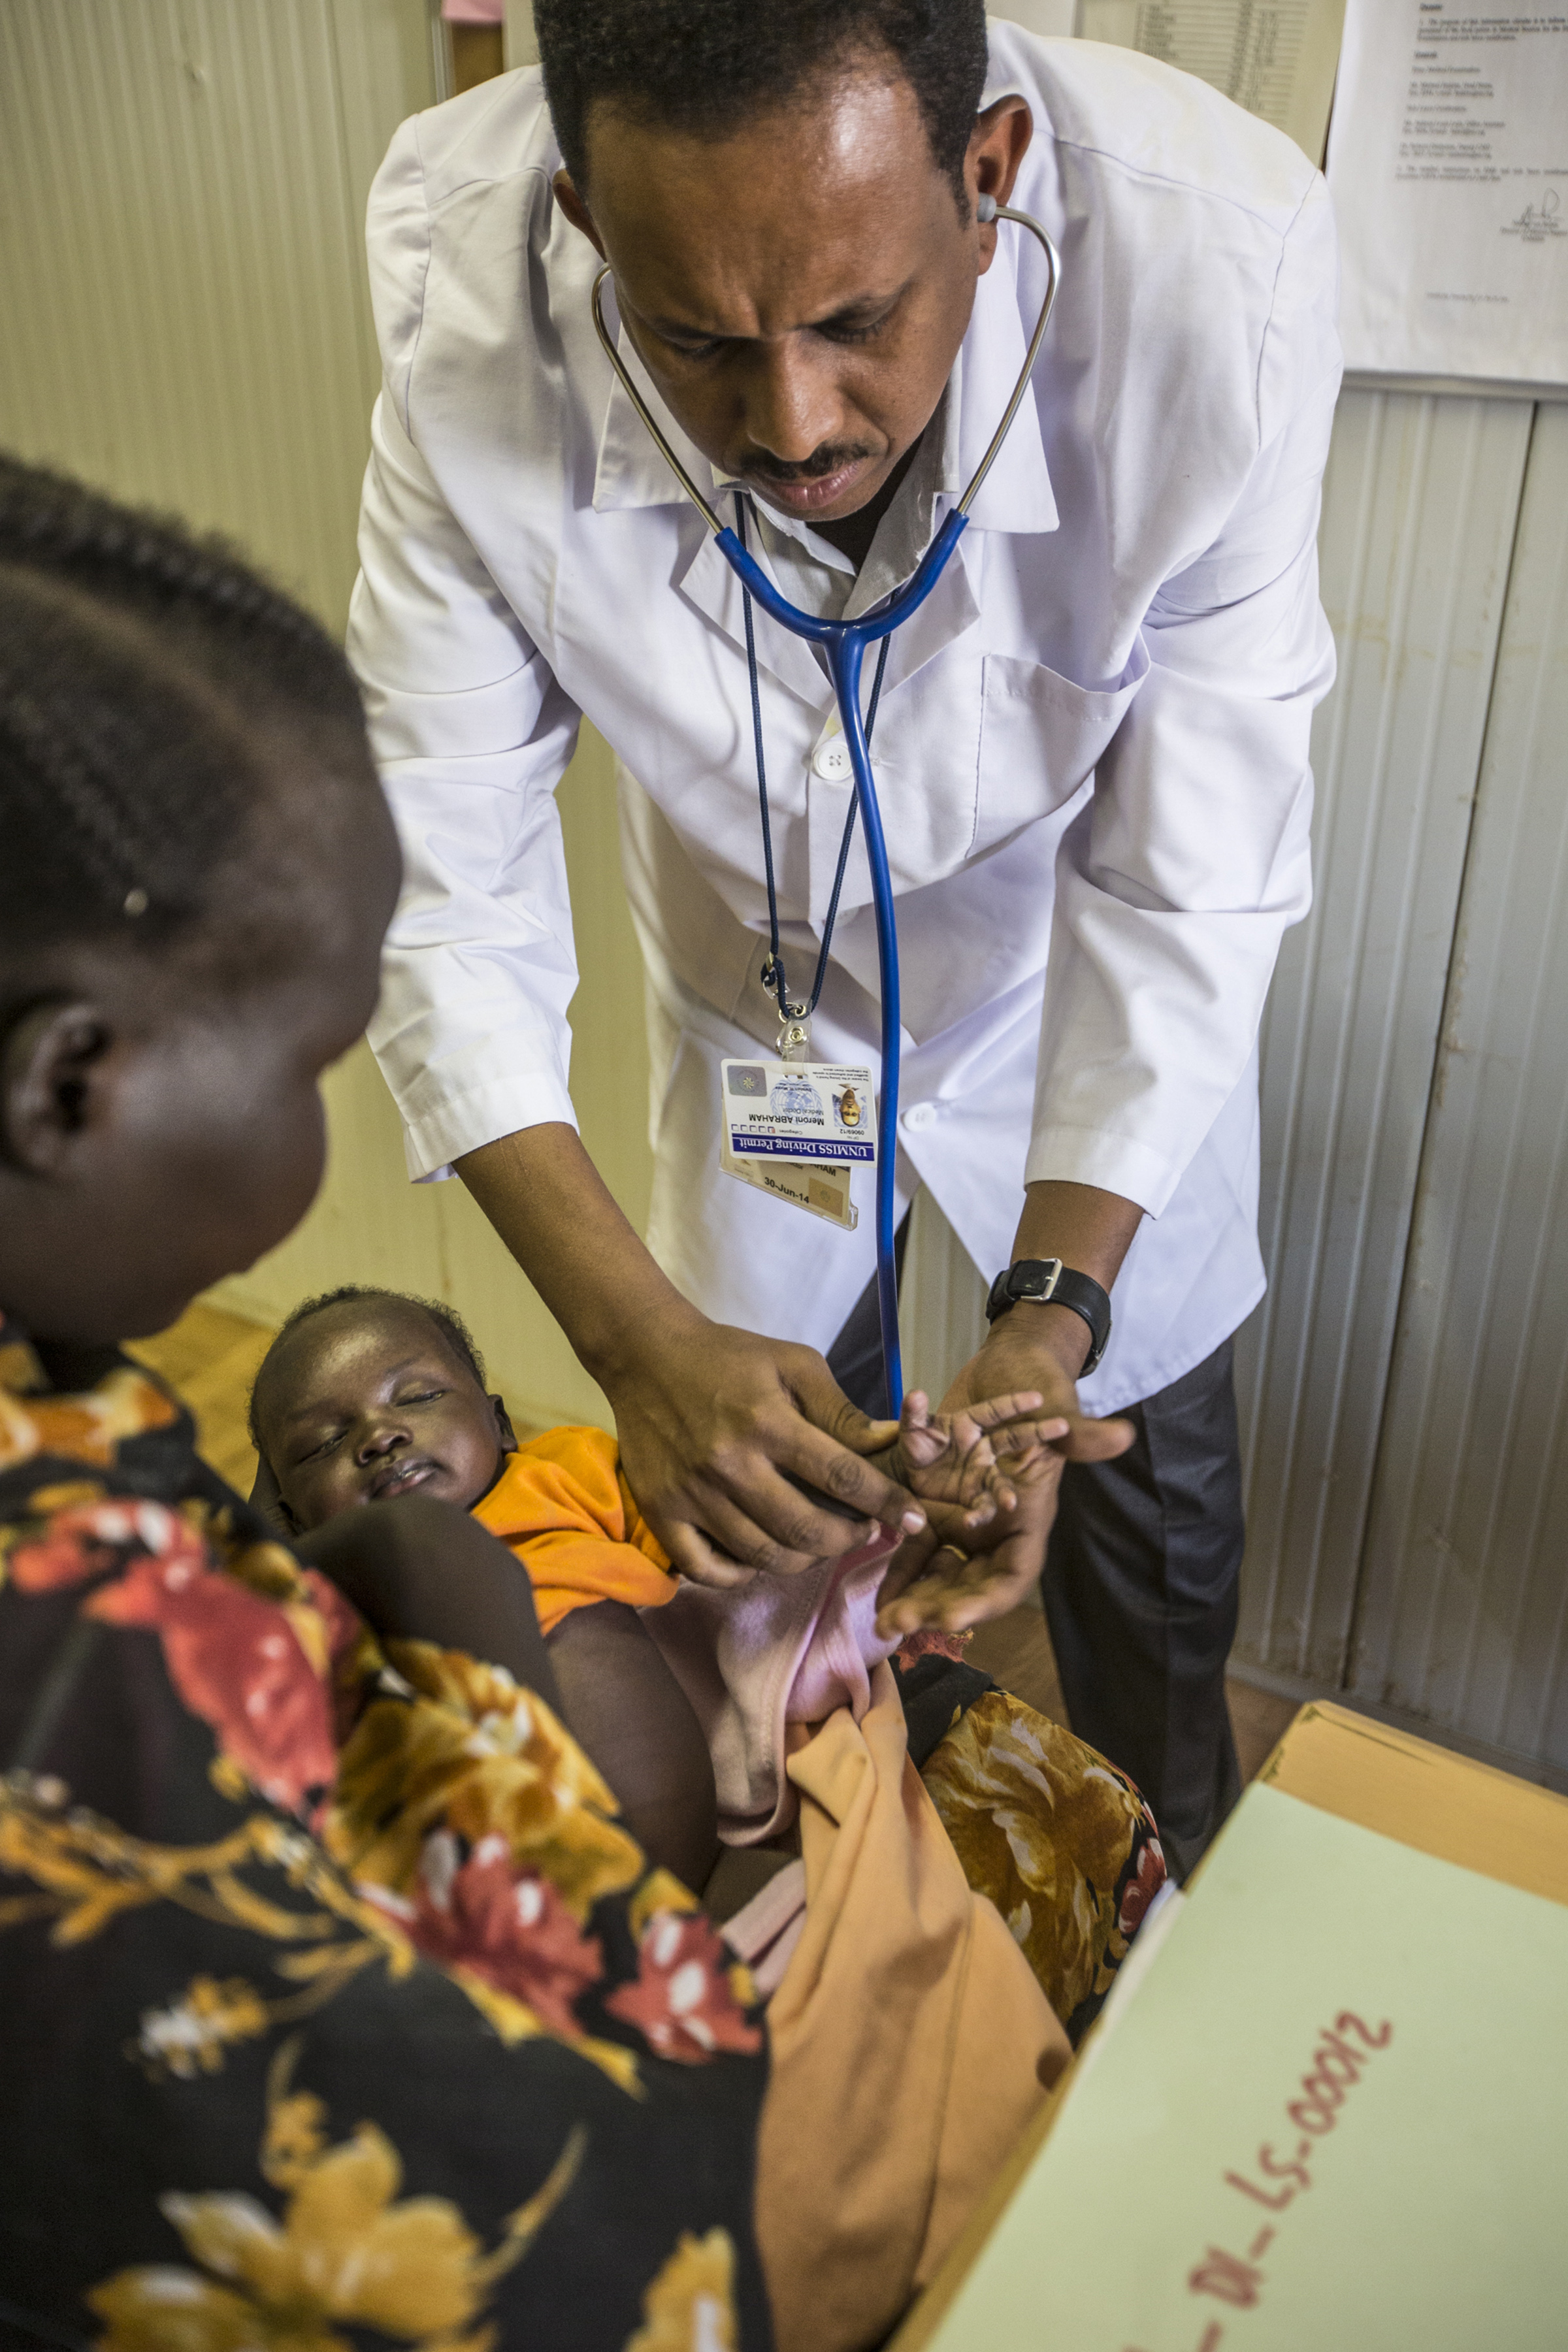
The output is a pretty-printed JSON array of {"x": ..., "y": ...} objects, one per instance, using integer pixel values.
[
  {"x": 632, "y": 472},
  {"x": 1016, "y": 495},
  {"x": 710, "y": 584}
]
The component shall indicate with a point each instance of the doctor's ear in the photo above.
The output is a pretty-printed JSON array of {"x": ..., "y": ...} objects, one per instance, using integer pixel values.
[
  {"x": 577, "y": 211},
  {"x": 997, "y": 146},
  {"x": 56, "y": 1085}
]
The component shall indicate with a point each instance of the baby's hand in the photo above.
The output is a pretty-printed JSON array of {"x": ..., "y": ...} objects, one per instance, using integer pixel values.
[
  {"x": 988, "y": 1476},
  {"x": 973, "y": 1457}
]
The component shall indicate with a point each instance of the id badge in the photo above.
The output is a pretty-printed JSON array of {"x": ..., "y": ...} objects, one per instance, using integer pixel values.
[
  {"x": 815, "y": 1186},
  {"x": 799, "y": 1112},
  {"x": 796, "y": 1130}
]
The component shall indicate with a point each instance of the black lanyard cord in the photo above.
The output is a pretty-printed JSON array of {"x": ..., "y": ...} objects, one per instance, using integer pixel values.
[{"x": 774, "y": 969}]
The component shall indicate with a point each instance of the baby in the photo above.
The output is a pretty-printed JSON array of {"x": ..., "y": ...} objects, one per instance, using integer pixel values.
[{"x": 368, "y": 1395}]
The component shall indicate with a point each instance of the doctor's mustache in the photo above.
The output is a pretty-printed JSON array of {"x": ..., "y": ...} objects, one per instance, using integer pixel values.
[{"x": 829, "y": 460}]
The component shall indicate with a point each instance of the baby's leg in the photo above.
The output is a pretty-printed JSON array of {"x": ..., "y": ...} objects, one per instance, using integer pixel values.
[{"x": 636, "y": 1723}]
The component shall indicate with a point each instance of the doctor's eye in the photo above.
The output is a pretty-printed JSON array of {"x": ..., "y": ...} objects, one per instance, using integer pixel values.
[
  {"x": 704, "y": 349},
  {"x": 859, "y": 334}
]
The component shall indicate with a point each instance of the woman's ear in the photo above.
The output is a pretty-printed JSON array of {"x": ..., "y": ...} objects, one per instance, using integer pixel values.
[
  {"x": 504, "y": 1429},
  {"x": 52, "y": 1062}
]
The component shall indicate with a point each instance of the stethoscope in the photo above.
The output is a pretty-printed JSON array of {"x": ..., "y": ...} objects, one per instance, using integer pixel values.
[{"x": 845, "y": 643}]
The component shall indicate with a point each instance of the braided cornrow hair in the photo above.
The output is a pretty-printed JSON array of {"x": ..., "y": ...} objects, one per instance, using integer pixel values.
[{"x": 144, "y": 674}]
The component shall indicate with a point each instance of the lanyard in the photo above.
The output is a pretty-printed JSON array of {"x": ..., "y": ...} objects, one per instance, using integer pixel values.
[{"x": 774, "y": 969}]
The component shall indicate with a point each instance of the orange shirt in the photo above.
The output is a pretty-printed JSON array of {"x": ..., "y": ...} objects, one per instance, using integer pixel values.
[{"x": 563, "y": 1506}]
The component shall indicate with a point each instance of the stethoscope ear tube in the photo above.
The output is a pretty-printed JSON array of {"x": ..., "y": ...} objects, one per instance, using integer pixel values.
[{"x": 845, "y": 643}]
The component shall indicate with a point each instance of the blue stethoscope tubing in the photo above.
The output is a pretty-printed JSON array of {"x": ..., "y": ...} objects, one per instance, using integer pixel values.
[{"x": 844, "y": 643}]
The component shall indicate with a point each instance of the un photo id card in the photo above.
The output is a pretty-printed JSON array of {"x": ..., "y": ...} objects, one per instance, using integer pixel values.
[{"x": 797, "y": 1130}]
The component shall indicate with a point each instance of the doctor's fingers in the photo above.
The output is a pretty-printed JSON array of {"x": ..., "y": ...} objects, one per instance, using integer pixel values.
[
  {"x": 700, "y": 1561},
  {"x": 1093, "y": 1441},
  {"x": 722, "y": 1534},
  {"x": 952, "y": 1593}
]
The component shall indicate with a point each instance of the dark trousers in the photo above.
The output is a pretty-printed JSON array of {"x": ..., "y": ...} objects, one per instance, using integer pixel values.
[{"x": 1141, "y": 1586}]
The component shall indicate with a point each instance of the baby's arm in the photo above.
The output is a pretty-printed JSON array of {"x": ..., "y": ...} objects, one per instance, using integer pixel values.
[{"x": 639, "y": 1725}]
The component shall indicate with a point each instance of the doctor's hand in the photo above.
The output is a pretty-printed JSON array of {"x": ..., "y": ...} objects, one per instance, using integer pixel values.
[
  {"x": 1034, "y": 1348},
  {"x": 713, "y": 1422},
  {"x": 710, "y": 1423}
]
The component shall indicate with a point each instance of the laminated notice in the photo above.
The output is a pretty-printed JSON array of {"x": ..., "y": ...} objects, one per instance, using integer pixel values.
[{"x": 799, "y": 1111}]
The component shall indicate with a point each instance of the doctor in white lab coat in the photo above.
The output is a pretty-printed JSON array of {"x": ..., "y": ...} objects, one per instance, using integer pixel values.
[{"x": 1091, "y": 747}]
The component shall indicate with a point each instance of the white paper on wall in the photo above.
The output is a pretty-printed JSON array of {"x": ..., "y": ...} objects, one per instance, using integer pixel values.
[
  {"x": 1448, "y": 166},
  {"x": 1275, "y": 58}
]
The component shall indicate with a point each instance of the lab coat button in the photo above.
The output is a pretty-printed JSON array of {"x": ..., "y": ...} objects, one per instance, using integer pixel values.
[
  {"x": 919, "y": 1116},
  {"x": 831, "y": 760}
]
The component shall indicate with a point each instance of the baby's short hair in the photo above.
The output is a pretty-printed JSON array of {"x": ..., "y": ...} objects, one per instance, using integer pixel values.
[{"x": 446, "y": 1319}]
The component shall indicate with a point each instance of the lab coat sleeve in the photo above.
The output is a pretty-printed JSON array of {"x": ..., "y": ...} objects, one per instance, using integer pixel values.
[
  {"x": 471, "y": 734},
  {"x": 1177, "y": 881}
]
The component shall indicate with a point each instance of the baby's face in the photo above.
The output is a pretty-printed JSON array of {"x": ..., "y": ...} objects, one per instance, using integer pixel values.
[{"x": 366, "y": 1403}]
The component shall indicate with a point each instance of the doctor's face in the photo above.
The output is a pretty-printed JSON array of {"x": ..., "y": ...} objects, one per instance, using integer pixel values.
[{"x": 798, "y": 292}]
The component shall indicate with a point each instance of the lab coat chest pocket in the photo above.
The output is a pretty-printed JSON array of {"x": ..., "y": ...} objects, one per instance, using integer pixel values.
[{"x": 1041, "y": 736}]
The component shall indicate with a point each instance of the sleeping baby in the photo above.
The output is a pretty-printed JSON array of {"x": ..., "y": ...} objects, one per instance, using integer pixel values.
[{"x": 680, "y": 1692}]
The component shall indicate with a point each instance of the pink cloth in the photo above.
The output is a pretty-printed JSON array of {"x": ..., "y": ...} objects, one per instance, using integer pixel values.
[
  {"x": 779, "y": 1650},
  {"x": 765, "y": 1933}
]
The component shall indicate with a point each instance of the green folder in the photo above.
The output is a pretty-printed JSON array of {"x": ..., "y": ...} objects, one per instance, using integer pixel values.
[{"x": 1334, "y": 2113}]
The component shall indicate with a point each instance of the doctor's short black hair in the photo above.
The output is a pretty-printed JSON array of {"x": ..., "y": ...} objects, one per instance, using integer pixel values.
[{"x": 709, "y": 66}]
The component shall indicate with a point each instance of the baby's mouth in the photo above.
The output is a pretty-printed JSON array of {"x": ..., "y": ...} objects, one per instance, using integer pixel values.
[{"x": 400, "y": 1477}]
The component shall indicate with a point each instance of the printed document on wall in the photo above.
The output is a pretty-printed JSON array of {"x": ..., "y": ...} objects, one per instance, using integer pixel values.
[
  {"x": 1448, "y": 166},
  {"x": 1275, "y": 58}
]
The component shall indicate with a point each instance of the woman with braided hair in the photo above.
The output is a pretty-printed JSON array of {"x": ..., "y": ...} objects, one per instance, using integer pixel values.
[{"x": 280, "y": 2052}]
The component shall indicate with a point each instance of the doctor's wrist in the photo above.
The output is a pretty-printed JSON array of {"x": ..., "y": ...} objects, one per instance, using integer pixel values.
[
  {"x": 636, "y": 1334},
  {"x": 1032, "y": 1328}
]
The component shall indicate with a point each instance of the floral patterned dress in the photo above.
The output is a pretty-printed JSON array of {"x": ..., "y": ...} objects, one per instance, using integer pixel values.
[{"x": 336, "y": 2009}]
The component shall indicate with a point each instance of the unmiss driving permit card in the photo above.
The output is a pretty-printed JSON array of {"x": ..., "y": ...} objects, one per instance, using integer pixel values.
[
  {"x": 799, "y": 1111},
  {"x": 812, "y": 1184}
]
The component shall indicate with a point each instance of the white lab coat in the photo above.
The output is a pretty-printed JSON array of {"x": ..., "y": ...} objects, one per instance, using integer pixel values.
[{"x": 1091, "y": 751}]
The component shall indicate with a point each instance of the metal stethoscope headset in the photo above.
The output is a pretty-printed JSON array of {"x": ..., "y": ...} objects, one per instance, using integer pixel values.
[{"x": 845, "y": 643}]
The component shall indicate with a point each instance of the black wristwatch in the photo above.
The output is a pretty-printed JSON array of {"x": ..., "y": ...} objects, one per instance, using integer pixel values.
[{"x": 1047, "y": 1281}]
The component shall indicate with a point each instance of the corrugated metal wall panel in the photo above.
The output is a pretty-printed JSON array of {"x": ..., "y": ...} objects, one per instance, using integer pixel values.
[
  {"x": 1418, "y": 516},
  {"x": 1464, "y": 1616},
  {"x": 183, "y": 186}
]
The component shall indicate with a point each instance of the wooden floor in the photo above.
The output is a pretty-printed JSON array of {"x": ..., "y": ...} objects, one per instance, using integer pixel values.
[
  {"x": 1018, "y": 1650},
  {"x": 211, "y": 1359}
]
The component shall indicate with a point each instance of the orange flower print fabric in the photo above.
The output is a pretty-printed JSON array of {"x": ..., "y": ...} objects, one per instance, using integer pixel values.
[
  {"x": 336, "y": 2003},
  {"x": 1059, "y": 1839}
]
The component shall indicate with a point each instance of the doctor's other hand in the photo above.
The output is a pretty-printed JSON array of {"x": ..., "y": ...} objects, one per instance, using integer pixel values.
[
  {"x": 714, "y": 1427},
  {"x": 1042, "y": 1349},
  {"x": 958, "y": 1578},
  {"x": 988, "y": 1478},
  {"x": 978, "y": 1558}
]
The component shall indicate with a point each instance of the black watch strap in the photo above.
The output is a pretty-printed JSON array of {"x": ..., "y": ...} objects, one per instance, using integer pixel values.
[{"x": 1050, "y": 1282}]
